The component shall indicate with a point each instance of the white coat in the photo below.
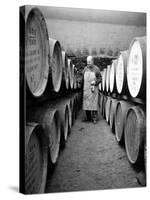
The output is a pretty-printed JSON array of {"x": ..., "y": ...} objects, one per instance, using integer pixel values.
[{"x": 91, "y": 74}]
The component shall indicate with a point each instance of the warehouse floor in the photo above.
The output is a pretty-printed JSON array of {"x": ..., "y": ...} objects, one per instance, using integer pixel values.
[{"x": 92, "y": 160}]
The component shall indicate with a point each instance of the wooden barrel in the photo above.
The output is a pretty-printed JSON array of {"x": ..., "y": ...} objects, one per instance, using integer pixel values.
[
  {"x": 36, "y": 53},
  {"x": 65, "y": 78},
  {"x": 69, "y": 103},
  {"x": 135, "y": 132},
  {"x": 112, "y": 77},
  {"x": 48, "y": 117},
  {"x": 107, "y": 108},
  {"x": 64, "y": 122},
  {"x": 113, "y": 106},
  {"x": 76, "y": 106},
  {"x": 107, "y": 78},
  {"x": 102, "y": 73},
  {"x": 36, "y": 159},
  {"x": 72, "y": 110},
  {"x": 136, "y": 68},
  {"x": 61, "y": 105},
  {"x": 101, "y": 102},
  {"x": 104, "y": 80},
  {"x": 72, "y": 75},
  {"x": 75, "y": 78},
  {"x": 70, "y": 71},
  {"x": 56, "y": 64},
  {"x": 121, "y": 73},
  {"x": 100, "y": 86},
  {"x": 75, "y": 83},
  {"x": 121, "y": 111},
  {"x": 72, "y": 102},
  {"x": 104, "y": 104}
]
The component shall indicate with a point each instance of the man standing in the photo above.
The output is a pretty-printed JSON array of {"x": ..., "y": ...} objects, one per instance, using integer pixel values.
[{"x": 92, "y": 78}]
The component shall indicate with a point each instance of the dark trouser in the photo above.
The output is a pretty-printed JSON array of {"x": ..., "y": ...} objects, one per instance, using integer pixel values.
[{"x": 91, "y": 114}]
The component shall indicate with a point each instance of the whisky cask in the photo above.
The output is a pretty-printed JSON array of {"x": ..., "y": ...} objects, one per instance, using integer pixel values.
[{"x": 136, "y": 68}]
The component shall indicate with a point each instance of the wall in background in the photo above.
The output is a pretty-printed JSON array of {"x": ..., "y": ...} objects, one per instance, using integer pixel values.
[{"x": 82, "y": 37}]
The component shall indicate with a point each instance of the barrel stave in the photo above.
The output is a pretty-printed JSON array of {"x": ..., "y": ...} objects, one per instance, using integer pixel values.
[
  {"x": 135, "y": 131},
  {"x": 36, "y": 159}
]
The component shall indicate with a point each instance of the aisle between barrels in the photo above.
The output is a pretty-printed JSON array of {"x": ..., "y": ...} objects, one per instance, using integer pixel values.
[{"x": 92, "y": 160}]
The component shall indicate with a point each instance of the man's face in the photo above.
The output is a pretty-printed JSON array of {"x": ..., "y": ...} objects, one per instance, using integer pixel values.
[{"x": 90, "y": 62}]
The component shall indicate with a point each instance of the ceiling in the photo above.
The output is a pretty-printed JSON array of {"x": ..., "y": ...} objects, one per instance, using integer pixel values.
[{"x": 94, "y": 15}]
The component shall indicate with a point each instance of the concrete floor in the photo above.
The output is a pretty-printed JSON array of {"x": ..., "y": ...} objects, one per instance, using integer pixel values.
[{"x": 92, "y": 160}]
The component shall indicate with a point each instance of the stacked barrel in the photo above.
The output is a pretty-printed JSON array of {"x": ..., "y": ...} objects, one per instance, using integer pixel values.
[
  {"x": 48, "y": 71},
  {"x": 123, "y": 98},
  {"x": 47, "y": 67}
]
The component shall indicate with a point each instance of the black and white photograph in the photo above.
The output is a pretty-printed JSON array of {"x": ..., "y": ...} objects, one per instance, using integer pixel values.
[{"x": 82, "y": 85}]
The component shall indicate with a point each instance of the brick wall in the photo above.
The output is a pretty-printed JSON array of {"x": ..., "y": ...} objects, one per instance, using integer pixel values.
[{"x": 80, "y": 37}]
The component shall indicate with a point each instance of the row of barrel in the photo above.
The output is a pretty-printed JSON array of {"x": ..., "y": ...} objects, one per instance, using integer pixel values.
[
  {"x": 128, "y": 121},
  {"x": 127, "y": 74},
  {"x": 47, "y": 66},
  {"x": 47, "y": 131}
]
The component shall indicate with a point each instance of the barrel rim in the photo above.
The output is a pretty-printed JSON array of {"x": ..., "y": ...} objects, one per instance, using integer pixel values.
[
  {"x": 108, "y": 78},
  {"x": 70, "y": 68},
  {"x": 119, "y": 57},
  {"x": 71, "y": 74},
  {"x": 64, "y": 121},
  {"x": 141, "y": 136},
  {"x": 114, "y": 103},
  {"x": 116, "y": 132},
  {"x": 67, "y": 116},
  {"x": 36, "y": 128},
  {"x": 65, "y": 67},
  {"x": 137, "y": 39},
  {"x": 104, "y": 80},
  {"x": 55, "y": 155},
  {"x": 107, "y": 108},
  {"x": 43, "y": 83},
  {"x": 114, "y": 64},
  {"x": 55, "y": 46}
]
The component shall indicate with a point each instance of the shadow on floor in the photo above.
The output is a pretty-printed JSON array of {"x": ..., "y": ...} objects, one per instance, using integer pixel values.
[{"x": 14, "y": 188}]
